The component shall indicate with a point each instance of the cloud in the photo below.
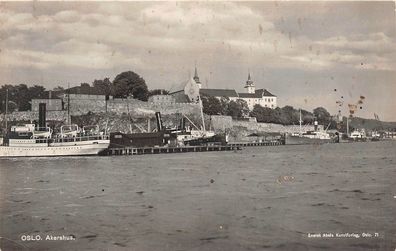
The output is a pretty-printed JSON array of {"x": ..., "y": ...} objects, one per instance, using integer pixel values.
[
  {"x": 67, "y": 16},
  {"x": 161, "y": 41}
]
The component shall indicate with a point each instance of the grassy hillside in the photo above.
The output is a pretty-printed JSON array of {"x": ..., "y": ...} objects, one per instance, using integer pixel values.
[{"x": 371, "y": 124}]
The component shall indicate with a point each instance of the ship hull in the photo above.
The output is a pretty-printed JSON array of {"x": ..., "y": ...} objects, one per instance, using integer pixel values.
[
  {"x": 85, "y": 148},
  {"x": 296, "y": 140}
]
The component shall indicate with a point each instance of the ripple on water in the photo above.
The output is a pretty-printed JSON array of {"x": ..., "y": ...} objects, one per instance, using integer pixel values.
[
  {"x": 365, "y": 246},
  {"x": 73, "y": 205},
  {"x": 292, "y": 246},
  {"x": 346, "y": 191},
  {"x": 322, "y": 204}
]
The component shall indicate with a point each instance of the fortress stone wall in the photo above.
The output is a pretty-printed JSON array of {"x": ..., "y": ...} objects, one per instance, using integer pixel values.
[
  {"x": 30, "y": 116},
  {"x": 120, "y": 106},
  {"x": 84, "y": 105},
  {"x": 221, "y": 123}
]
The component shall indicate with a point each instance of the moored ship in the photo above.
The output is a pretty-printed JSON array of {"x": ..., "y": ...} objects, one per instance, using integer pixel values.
[
  {"x": 310, "y": 137},
  {"x": 30, "y": 140},
  {"x": 317, "y": 136}
]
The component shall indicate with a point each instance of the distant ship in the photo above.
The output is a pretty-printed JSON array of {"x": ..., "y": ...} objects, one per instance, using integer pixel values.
[
  {"x": 358, "y": 135},
  {"x": 317, "y": 136},
  {"x": 31, "y": 141},
  {"x": 309, "y": 137}
]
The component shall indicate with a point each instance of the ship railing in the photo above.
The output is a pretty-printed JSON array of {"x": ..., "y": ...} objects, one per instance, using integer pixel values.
[
  {"x": 81, "y": 138},
  {"x": 42, "y": 132}
]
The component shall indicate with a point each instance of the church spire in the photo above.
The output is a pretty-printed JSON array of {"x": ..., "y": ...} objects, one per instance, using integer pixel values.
[
  {"x": 196, "y": 72},
  {"x": 196, "y": 78},
  {"x": 250, "y": 84}
]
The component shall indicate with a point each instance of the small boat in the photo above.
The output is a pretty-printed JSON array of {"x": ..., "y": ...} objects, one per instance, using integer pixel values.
[
  {"x": 200, "y": 137},
  {"x": 358, "y": 135}
]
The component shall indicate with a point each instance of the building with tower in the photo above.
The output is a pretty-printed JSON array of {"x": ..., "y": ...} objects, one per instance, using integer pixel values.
[
  {"x": 196, "y": 78},
  {"x": 250, "y": 85},
  {"x": 252, "y": 96},
  {"x": 257, "y": 97}
]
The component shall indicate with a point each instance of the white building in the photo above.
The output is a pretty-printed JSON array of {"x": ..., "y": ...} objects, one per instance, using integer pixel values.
[
  {"x": 257, "y": 97},
  {"x": 251, "y": 96}
]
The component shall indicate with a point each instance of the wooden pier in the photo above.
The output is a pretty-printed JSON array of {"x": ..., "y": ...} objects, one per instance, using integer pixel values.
[
  {"x": 264, "y": 143},
  {"x": 158, "y": 150},
  {"x": 233, "y": 146}
]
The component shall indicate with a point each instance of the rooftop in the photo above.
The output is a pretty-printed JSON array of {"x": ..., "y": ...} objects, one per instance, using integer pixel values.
[
  {"x": 86, "y": 90},
  {"x": 219, "y": 92},
  {"x": 258, "y": 94},
  {"x": 53, "y": 95}
]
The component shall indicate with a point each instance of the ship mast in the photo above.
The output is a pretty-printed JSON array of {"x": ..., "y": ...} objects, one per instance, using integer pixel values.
[
  {"x": 68, "y": 105},
  {"x": 347, "y": 125},
  {"x": 202, "y": 115},
  {"x": 300, "y": 123},
  {"x": 6, "y": 112}
]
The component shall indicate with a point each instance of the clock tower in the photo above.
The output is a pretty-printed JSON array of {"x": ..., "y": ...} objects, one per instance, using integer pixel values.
[{"x": 250, "y": 85}]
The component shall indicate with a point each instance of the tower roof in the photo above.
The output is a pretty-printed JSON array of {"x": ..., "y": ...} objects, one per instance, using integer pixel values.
[
  {"x": 249, "y": 81},
  {"x": 196, "y": 78}
]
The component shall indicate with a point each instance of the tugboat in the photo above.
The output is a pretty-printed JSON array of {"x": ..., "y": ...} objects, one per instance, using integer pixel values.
[{"x": 30, "y": 140}]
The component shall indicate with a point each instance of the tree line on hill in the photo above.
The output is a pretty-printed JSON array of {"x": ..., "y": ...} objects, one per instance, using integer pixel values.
[
  {"x": 130, "y": 84},
  {"x": 125, "y": 84},
  {"x": 286, "y": 115}
]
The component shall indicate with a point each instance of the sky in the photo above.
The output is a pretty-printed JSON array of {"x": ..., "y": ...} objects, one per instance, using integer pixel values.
[{"x": 308, "y": 54}]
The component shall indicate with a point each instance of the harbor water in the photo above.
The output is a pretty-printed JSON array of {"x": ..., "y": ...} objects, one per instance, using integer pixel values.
[{"x": 302, "y": 197}]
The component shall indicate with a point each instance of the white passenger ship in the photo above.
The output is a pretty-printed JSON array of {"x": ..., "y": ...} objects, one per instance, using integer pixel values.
[{"x": 31, "y": 141}]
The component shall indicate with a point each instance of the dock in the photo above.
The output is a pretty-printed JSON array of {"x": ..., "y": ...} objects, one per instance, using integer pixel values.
[
  {"x": 233, "y": 146},
  {"x": 264, "y": 143},
  {"x": 178, "y": 149}
]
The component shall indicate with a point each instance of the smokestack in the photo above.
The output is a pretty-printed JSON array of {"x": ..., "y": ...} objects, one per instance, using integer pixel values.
[
  {"x": 42, "y": 118},
  {"x": 183, "y": 124},
  {"x": 159, "y": 121}
]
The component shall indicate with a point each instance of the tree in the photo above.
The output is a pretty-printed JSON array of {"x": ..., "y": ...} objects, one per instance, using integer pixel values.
[
  {"x": 19, "y": 96},
  {"x": 212, "y": 105},
  {"x": 157, "y": 92},
  {"x": 289, "y": 115},
  {"x": 265, "y": 114},
  {"x": 224, "y": 101},
  {"x": 103, "y": 86},
  {"x": 259, "y": 113},
  {"x": 322, "y": 115},
  {"x": 307, "y": 117},
  {"x": 36, "y": 91},
  {"x": 235, "y": 109},
  {"x": 22, "y": 97},
  {"x": 58, "y": 89},
  {"x": 130, "y": 84},
  {"x": 286, "y": 115},
  {"x": 244, "y": 107}
]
